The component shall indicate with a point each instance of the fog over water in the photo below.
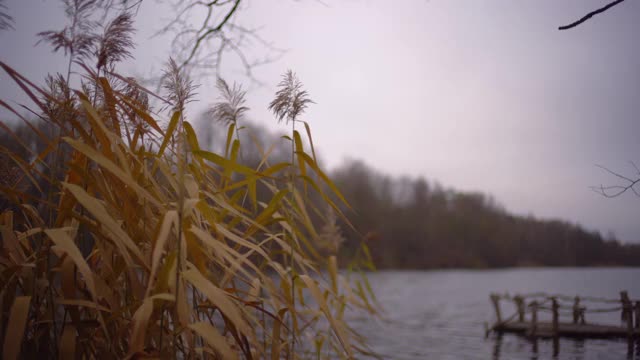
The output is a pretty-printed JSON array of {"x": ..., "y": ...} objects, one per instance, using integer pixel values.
[{"x": 480, "y": 95}]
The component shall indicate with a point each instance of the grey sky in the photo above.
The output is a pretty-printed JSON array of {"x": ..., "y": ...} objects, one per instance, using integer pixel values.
[{"x": 478, "y": 95}]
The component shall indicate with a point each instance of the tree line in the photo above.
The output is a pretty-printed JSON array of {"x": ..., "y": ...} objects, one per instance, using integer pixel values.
[
  {"x": 413, "y": 223},
  {"x": 420, "y": 224}
]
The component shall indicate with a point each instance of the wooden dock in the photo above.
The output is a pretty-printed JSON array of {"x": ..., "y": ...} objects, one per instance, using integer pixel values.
[
  {"x": 525, "y": 320},
  {"x": 545, "y": 330}
]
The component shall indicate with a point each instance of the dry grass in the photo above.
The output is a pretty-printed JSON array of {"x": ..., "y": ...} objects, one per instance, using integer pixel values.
[{"x": 140, "y": 244}]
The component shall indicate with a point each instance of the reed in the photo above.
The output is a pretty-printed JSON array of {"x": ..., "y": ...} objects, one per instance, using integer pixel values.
[{"x": 136, "y": 242}]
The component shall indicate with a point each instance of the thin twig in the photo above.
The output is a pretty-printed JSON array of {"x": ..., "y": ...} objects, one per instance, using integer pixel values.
[{"x": 617, "y": 190}]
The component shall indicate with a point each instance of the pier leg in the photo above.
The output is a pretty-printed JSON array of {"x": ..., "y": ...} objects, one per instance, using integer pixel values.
[
  {"x": 636, "y": 313},
  {"x": 554, "y": 324},
  {"x": 554, "y": 309},
  {"x": 627, "y": 314},
  {"x": 520, "y": 306},
  {"x": 495, "y": 299},
  {"x": 625, "y": 302},
  {"x": 497, "y": 346},
  {"x": 534, "y": 319},
  {"x": 576, "y": 309}
]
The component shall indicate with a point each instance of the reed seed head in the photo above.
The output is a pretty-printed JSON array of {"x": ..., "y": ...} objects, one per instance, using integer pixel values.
[
  {"x": 116, "y": 41},
  {"x": 77, "y": 38},
  {"x": 180, "y": 89},
  {"x": 291, "y": 100},
  {"x": 231, "y": 106}
]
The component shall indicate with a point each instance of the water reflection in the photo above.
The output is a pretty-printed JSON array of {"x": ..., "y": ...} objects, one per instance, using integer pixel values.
[
  {"x": 442, "y": 314},
  {"x": 534, "y": 349},
  {"x": 496, "y": 347},
  {"x": 633, "y": 349},
  {"x": 551, "y": 348}
]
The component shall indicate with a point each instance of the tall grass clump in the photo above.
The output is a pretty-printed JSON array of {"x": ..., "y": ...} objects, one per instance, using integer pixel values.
[{"x": 122, "y": 237}]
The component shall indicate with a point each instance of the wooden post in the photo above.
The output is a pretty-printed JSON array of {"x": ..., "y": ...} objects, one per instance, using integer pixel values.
[
  {"x": 629, "y": 312},
  {"x": 626, "y": 308},
  {"x": 629, "y": 327},
  {"x": 534, "y": 318},
  {"x": 629, "y": 320},
  {"x": 636, "y": 311},
  {"x": 576, "y": 309},
  {"x": 554, "y": 309},
  {"x": 520, "y": 306},
  {"x": 495, "y": 299}
]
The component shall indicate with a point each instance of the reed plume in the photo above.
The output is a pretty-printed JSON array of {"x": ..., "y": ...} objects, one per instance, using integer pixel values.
[
  {"x": 116, "y": 41},
  {"x": 291, "y": 100},
  {"x": 76, "y": 39},
  {"x": 231, "y": 105},
  {"x": 179, "y": 88}
]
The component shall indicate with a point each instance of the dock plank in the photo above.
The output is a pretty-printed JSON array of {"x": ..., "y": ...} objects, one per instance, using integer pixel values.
[{"x": 545, "y": 329}]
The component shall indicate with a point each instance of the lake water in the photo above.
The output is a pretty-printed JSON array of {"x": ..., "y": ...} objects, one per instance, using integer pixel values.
[{"x": 442, "y": 314}]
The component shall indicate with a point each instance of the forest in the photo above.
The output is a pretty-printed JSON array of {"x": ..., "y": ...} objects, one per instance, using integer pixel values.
[{"x": 416, "y": 223}]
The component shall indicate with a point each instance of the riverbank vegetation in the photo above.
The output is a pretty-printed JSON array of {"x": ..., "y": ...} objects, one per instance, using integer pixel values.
[{"x": 123, "y": 238}]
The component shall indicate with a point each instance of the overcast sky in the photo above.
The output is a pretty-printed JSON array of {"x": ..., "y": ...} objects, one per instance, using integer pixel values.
[{"x": 479, "y": 95}]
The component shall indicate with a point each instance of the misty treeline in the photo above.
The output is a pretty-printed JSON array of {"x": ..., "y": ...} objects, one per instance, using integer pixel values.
[{"x": 412, "y": 223}]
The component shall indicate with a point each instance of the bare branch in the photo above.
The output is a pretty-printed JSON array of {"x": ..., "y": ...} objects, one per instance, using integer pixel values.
[
  {"x": 617, "y": 190},
  {"x": 6, "y": 21},
  {"x": 207, "y": 30},
  {"x": 589, "y": 15},
  {"x": 215, "y": 36}
]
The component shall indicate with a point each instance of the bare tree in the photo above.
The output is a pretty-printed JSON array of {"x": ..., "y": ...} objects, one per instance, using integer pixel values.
[{"x": 205, "y": 44}]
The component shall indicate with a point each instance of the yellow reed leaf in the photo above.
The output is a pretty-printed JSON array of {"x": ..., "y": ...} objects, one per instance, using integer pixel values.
[
  {"x": 170, "y": 219},
  {"x": 17, "y": 323},
  {"x": 120, "y": 238},
  {"x": 64, "y": 242},
  {"x": 275, "y": 335},
  {"x": 173, "y": 123},
  {"x": 82, "y": 303},
  {"x": 67, "y": 347},
  {"x": 213, "y": 337},
  {"x": 110, "y": 166},
  {"x": 140, "y": 321},
  {"x": 219, "y": 298},
  {"x": 336, "y": 326}
]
